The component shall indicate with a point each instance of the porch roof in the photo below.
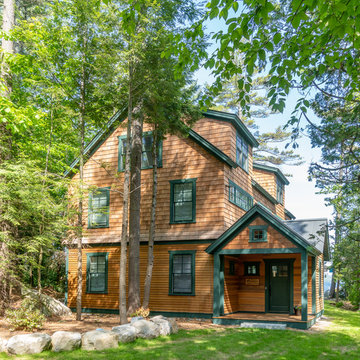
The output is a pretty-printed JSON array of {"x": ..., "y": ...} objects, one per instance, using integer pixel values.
[{"x": 273, "y": 220}]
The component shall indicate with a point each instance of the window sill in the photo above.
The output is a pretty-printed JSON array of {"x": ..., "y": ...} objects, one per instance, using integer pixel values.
[
  {"x": 146, "y": 168},
  {"x": 182, "y": 222},
  {"x": 258, "y": 241},
  {"x": 181, "y": 294},
  {"x": 98, "y": 227},
  {"x": 97, "y": 292}
]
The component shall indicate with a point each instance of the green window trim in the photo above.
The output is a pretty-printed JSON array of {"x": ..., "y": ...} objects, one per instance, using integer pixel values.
[
  {"x": 242, "y": 153},
  {"x": 88, "y": 272},
  {"x": 279, "y": 191},
  {"x": 258, "y": 233},
  {"x": 252, "y": 265},
  {"x": 173, "y": 254},
  {"x": 240, "y": 197},
  {"x": 105, "y": 210},
  {"x": 320, "y": 278},
  {"x": 173, "y": 184},
  {"x": 231, "y": 267},
  {"x": 121, "y": 152}
]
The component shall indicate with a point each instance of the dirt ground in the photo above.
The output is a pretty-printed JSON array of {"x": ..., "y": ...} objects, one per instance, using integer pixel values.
[
  {"x": 106, "y": 322},
  {"x": 96, "y": 321}
]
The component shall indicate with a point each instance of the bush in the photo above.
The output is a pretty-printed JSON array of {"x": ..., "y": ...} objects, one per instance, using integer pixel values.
[
  {"x": 27, "y": 317},
  {"x": 141, "y": 312},
  {"x": 339, "y": 304}
]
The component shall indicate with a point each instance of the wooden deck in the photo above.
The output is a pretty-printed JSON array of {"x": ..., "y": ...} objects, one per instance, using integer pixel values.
[{"x": 290, "y": 320}]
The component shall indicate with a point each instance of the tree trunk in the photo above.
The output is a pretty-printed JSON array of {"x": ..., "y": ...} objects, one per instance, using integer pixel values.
[
  {"x": 81, "y": 169},
  {"x": 150, "y": 264},
  {"x": 337, "y": 290},
  {"x": 39, "y": 269},
  {"x": 125, "y": 216},
  {"x": 134, "y": 219}
]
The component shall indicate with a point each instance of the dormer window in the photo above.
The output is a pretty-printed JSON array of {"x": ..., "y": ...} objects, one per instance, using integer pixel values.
[
  {"x": 279, "y": 191},
  {"x": 242, "y": 153}
]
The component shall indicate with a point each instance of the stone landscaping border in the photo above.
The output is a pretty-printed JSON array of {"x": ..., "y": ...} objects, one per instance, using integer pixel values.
[{"x": 98, "y": 339}]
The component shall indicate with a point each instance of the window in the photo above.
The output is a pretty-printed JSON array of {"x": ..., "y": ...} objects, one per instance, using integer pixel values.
[
  {"x": 239, "y": 197},
  {"x": 146, "y": 157},
  {"x": 320, "y": 278},
  {"x": 182, "y": 272},
  {"x": 96, "y": 273},
  {"x": 258, "y": 233},
  {"x": 251, "y": 269},
  {"x": 279, "y": 191},
  {"x": 99, "y": 201},
  {"x": 242, "y": 152},
  {"x": 231, "y": 267},
  {"x": 183, "y": 201}
]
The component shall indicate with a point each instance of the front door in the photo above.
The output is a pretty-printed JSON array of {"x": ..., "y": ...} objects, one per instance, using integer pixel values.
[{"x": 279, "y": 286}]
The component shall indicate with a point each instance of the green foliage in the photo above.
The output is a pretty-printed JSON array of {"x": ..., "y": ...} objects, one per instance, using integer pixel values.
[
  {"x": 339, "y": 304},
  {"x": 26, "y": 317}
]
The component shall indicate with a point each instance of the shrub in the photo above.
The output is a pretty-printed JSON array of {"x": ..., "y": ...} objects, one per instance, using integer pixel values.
[
  {"x": 339, "y": 304},
  {"x": 141, "y": 312},
  {"x": 26, "y": 317}
]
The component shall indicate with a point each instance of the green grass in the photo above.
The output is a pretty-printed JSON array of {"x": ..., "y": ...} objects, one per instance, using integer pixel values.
[{"x": 339, "y": 341}]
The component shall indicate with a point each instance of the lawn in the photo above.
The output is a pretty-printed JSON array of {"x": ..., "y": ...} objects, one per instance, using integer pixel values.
[{"x": 341, "y": 340}]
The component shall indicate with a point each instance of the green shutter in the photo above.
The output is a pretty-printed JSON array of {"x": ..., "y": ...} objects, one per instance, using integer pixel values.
[{"x": 97, "y": 273}]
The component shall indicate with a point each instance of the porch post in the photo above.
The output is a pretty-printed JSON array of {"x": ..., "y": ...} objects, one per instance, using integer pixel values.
[
  {"x": 216, "y": 301},
  {"x": 313, "y": 284},
  {"x": 304, "y": 287}
]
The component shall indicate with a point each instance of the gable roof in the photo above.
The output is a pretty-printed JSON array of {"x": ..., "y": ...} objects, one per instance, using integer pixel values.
[
  {"x": 120, "y": 116},
  {"x": 315, "y": 231},
  {"x": 272, "y": 169},
  {"x": 235, "y": 121},
  {"x": 274, "y": 221}
]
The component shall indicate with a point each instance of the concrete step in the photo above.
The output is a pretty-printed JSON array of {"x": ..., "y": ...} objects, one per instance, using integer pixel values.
[{"x": 270, "y": 326}]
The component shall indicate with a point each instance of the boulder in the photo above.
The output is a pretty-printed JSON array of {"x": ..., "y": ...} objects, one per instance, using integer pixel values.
[
  {"x": 125, "y": 333},
  {"x": 146, "y": 329},
  {"x": 136, "y": 318},
  {"x": 65, "y": 341},
  {"x": 49, "y": 305},
  {"x": 99, "y": 340},
  {"x": 28, "y": 344},
  {"x": 167, "y": 326},
  {"x": 3, "y": 343}
]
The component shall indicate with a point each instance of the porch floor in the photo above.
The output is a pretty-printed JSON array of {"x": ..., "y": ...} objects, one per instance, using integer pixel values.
[{"x": 290, "y": 320}]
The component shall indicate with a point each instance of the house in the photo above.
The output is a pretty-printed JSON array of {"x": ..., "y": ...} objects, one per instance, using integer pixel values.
[{"x": 226, "y": 248}]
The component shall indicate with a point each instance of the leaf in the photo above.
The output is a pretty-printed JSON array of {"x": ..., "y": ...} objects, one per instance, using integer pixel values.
[
  {"x": 269, "y": 46},
  {"x": 277, "y": 38}
]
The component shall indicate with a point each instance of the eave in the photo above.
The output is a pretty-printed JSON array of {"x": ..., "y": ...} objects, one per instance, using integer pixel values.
[{"x": 289, "y": 214}]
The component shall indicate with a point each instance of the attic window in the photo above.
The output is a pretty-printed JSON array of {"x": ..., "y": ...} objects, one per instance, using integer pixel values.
[
  {"x": 242, "y": 153},
  {"x": 258, "y": 233}
]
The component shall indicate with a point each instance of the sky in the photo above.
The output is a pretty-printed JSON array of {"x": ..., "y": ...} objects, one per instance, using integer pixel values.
[{"x": 301, "y": 195}]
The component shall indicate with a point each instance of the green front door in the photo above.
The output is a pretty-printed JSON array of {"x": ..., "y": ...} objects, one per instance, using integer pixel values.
[{"x": 279, "y": 286}]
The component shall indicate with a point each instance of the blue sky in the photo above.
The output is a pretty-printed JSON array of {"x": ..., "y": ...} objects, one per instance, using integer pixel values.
[{"x": 301, "y": 196}]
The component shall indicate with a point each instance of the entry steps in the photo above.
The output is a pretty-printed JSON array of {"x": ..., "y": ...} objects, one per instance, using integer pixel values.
[{"x": 271, "y": 326}]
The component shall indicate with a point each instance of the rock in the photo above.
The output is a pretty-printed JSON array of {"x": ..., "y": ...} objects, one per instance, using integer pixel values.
[
  {"x": 3, "y": 343},
  {"x": 49, "y": 305},
  {"x": 136, "y": 318},
  {"x": 65, "y": 341},
  {"x": 29, "y": 344},
  {"x": 167, "y": 326},
  {"x": 99, "y": 340},
  {"x": 125, "y": 333},
  {"x": 146, "y": 329}
]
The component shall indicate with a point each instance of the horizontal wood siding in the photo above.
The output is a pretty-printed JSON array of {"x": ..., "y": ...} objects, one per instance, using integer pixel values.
[
  {"x": 319, "y": 300},
  {"x": 309, "y": 285},
  {"x": 182, "y": 159},
  {"x": 274, "y": 239},
  {"x": 160, "y": 300},
  {"x": 241, "y": 297}
]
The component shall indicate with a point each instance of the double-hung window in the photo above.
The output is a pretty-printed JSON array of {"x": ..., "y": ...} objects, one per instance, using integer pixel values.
[
  {"x": 182, "y": 272},
  {"x": 183, "y": 201},
  {"x": 242, "y": 153},
  {"x": 279, "y": 191},
  {"x": 147, "y": 161},
  {"x": 99, "y": 201},
  {"x": 240, "y": 197},
  {"x": 97, "y": 273}
]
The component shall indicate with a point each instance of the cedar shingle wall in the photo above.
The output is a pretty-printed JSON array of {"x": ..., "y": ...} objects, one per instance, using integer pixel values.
[{"x": 182, "y": 159}]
